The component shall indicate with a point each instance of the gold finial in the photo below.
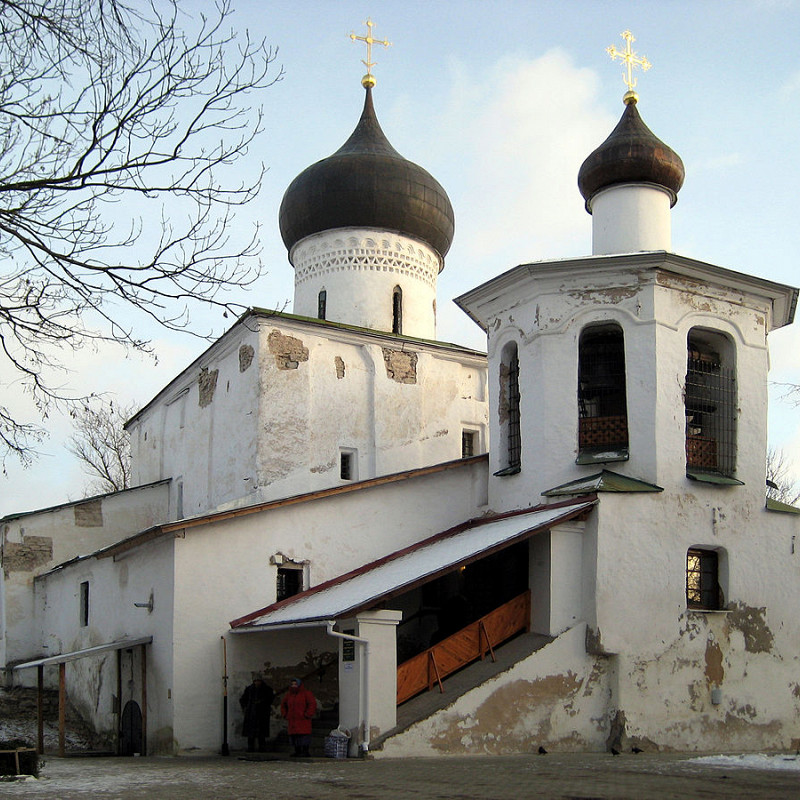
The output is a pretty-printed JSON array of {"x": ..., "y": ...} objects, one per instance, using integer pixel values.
[
  {"x": 368, "y": 81},
  {"x": 631, "y": 60}
]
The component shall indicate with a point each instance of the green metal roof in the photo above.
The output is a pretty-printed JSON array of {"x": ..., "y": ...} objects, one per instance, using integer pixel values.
[
  {"x": 777, "y": 505},
  {"x": 605, "y": 481}
]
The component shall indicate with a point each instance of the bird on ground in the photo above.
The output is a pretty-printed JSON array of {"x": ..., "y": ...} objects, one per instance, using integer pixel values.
[
  {"x": 614, "y": 751},
  {"x": 635, "y": 749},
  {"x": 542, "y": 751}
]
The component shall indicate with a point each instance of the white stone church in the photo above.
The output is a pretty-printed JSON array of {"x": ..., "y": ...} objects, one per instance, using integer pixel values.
[{"x": 563, "y": 543}]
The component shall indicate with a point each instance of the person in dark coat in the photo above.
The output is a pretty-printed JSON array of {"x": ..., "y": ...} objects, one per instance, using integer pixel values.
[
  {"x": 298, "y": 708},
  {"x": 256, "y": 702}
]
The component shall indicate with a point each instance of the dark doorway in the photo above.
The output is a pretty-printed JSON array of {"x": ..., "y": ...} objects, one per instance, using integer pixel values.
[{"x": 130, "y": 734}]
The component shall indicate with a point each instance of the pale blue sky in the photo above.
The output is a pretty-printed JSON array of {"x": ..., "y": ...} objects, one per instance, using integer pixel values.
[{"x": 501, "y": 102}]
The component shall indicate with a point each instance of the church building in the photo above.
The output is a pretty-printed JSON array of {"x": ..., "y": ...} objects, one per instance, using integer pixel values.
[{"x": 563, "y": 542}]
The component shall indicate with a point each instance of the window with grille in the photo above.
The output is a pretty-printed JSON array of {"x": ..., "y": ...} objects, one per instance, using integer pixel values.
[
  {"x": 322, "y": 304},
  {"x": 509, "y": 411},
  {"x": 467, "y": 444},
  {"x": 290, "y": 582},
  {"x": 602, "y": 399},
  {"x": 702, "y": 580},
  {"x": 397, "y": 310},
  {"x": 710, "y": 399}
]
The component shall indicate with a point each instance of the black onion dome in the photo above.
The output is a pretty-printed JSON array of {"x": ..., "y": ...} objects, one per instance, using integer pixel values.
[
  {"x": 631, "y": 154},
  {"x": 367, "y": 183}
]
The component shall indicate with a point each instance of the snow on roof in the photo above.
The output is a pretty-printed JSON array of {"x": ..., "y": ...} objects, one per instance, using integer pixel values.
[{"x": 404, "y": 569}]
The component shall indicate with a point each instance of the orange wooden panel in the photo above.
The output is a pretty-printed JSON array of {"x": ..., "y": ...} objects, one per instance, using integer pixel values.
[{"x": 463, "y": 647}]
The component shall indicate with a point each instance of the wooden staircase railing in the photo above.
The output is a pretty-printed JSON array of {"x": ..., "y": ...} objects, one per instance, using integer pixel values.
[{"x": 469, "y": 644}]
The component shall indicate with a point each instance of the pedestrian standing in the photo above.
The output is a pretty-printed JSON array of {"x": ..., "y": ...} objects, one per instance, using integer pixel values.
[
  {"x": 298, "y": 708},
  {"x": 256, "y": 702}
]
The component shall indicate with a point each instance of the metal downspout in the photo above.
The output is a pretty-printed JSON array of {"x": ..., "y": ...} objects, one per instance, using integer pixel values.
[{"x": 363, "y": 695}]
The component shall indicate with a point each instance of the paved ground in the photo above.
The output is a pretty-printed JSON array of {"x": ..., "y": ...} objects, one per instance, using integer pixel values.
[{"x": 567, "y": 776}]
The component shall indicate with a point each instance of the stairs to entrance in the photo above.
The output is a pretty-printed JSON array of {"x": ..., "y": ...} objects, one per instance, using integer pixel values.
[{"x": 428, "y": 703}]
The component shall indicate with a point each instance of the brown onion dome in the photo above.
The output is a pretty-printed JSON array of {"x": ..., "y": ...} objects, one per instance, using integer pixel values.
[
  {"x": 631, "y": 154},
  {"x": 367, "y": 183}
]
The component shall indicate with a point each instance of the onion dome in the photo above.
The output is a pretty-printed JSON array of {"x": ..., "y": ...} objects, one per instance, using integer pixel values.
[
  {"x": 631, "y": 154},
  {"x": 367, "y": 183}
]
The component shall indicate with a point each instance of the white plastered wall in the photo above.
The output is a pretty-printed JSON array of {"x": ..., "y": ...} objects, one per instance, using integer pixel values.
[
  {"x": 34, "y": 543},
  {"x": 114, "y": 587},
  {"x": 359, "y": 268},
  {"x": 308, "y": 391},
  {"x": 233, "y": 557}
]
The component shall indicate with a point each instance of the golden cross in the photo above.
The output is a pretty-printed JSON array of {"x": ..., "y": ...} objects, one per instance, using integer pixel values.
[
  {"x": 369, "y": 79},
  {"x": 631, "y": 60}
]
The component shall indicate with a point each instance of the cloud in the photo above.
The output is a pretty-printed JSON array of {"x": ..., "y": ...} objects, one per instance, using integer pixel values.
[{"x": 520, "y": 133}]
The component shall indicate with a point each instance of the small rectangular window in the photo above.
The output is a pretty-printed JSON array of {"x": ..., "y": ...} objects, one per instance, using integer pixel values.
[
  {"x": 84, "y": 604},
  {"x": 467, "y": 444},
  {"x": 322, "y": 304},
  {"x": 702, "y": 580},
  {"x": 290, "y": 582},
  {"x": 346, "y": 466}
]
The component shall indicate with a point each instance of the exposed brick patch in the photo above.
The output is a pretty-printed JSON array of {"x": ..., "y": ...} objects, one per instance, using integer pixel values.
[
  {"x": 207, "y": 385},
  {"x": 31, "y": 553},
  {"x": 289, "y": 351},
  {"x": 246, "y": 354},
  {"x": 339, "y": 367},
  {"x": 401, "y": 365},
  {"x": 89, "y": 515}
]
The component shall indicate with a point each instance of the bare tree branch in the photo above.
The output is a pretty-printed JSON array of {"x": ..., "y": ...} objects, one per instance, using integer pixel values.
[
  {"x": 781, "y": 484},
  {"x": 116, "y": 123},
  {"x": 102, "y": 445}
]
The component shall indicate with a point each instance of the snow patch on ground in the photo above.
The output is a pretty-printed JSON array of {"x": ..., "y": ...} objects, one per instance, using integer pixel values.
[{"x": 781, "y": 761}]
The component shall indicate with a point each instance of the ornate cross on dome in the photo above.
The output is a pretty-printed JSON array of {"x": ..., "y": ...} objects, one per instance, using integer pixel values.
[
  {"x": 368, "y": 80},
  {"x": 631, "y": 60}
]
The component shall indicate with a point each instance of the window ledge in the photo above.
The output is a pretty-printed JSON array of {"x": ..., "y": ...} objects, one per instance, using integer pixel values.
[
  {"x": 602, "y": 456},
  {"x": 713, "y": 477},
  {"x": 504, "y": 473},
  {"x": 709, "y": 610}
]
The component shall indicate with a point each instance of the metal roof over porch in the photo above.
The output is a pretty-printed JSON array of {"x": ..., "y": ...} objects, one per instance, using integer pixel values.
[
  {"x": 405, "y": 569},
  {"x": 119, "y": 644}
]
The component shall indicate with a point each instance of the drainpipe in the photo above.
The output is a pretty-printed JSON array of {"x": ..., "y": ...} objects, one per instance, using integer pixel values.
[{"x": 363, "y": 695}]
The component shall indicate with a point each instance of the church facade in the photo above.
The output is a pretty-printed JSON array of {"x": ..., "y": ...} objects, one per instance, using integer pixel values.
[{"x": 334, "y": 493}]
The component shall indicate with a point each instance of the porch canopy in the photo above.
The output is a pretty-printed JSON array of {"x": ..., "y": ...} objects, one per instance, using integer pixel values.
[
  {"x": 74, "y": 655},
  {"x": 406, "y": 569}
]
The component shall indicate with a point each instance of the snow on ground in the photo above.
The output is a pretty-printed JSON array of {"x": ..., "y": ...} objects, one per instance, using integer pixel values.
[{"x": 781, "y": 761}]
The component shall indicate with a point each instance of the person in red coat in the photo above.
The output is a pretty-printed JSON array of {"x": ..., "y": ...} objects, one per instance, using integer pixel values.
[{"x": 298, "y": 707}]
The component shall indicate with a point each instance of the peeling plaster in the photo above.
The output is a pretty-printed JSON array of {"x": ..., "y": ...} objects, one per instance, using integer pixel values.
[
  {"x": 89, "y": 515},
  {"x": 246, "y": 354},
  {"x": 32, "y": 552},
  {"x": 207, "y": 385},
  {"x": 401, "y": 365},
  {"x": 339, "y": 365},
  {"x": 714, "y": 671},
  {"x": 512, "y": 718},
  {"x": 753, "y": 624},
  {"x": 289, "y": 351}
]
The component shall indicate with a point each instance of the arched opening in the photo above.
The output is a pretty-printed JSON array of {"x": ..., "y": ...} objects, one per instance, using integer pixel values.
[
  {"x": 509, "y": 411},
  {"x": 602, "y": 399},
  {"x": 710, "y": 400},
  {"x": 397, "y": 310}
]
